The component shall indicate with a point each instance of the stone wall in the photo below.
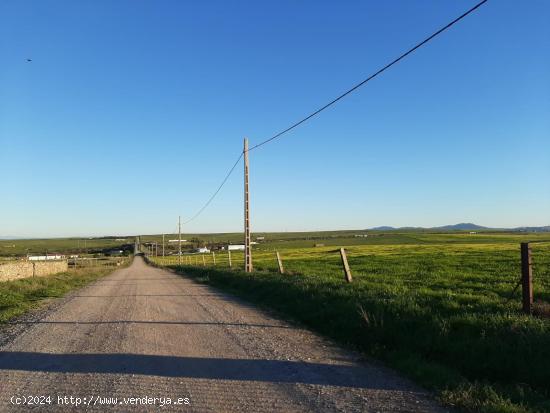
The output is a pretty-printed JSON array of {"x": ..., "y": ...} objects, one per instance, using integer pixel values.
[{"x": 24, "y": 269}]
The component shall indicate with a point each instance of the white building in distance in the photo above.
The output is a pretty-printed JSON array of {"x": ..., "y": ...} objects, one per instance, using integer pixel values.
[{"x": 46, "y": 257}]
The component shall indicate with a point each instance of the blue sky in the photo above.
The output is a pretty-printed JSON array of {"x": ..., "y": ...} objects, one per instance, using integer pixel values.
[{"x": 131, "y": 112}]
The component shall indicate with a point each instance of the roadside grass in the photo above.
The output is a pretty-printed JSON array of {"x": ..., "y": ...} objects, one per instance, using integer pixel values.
[
  {"x": 440, "y": 313},
  {"x": 20, "y": 296}
]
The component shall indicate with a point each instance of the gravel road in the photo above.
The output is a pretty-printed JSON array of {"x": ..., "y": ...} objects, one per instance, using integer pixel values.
[{"x": 146, "y": 332}]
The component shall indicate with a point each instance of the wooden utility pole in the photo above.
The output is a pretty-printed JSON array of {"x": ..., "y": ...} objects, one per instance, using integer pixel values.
[
  {"x": 179, "y": 240},
  {"x": 347, "y": 271},
  {"x": 526, "y": 278},
  {"x": 247, "y": 249},
  {"x": 280, "y": 263}
]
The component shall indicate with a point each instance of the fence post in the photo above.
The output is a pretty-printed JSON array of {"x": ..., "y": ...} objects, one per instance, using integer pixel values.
[
  {"x": 229, "y": 256},
  {"x": 203, "y": 261},
  {"x": 214, "y": 257},
  {"x": 526, "y": 278},
  {"x": 347, "y": 271},
  {"x": 280, "y": 263}
]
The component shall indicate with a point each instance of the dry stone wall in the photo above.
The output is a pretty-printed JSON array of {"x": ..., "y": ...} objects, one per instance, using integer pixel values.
[{"x": 25, "y": 269}]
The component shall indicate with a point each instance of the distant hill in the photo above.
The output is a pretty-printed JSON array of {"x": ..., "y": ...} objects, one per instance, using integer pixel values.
[
  {"x": 464, "y": 226},
  {"x": 533, "y": 229}
]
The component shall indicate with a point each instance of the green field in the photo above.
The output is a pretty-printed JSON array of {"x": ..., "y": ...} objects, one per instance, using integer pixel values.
[
  {"x": 22, "y": 247},
  {"x": 273, "y": 240},
  {"x": 437, "y": 307},
  {"x": 283, "y": 240}
]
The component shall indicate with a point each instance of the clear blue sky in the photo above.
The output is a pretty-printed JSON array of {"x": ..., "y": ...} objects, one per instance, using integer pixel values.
[{"x": 131, "y": 112}]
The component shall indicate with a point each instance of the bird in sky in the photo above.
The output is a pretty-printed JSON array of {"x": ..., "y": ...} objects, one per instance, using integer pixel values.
[{"x": 29, "y": 60}]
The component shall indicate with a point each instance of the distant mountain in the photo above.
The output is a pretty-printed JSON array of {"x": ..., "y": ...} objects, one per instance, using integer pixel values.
[
  {"x": 533, "y": 229},
  {"x": 464, "y": 226},
  {"x": 8, "y": 237}
]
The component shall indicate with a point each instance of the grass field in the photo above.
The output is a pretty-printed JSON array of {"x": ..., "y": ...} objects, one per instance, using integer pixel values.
[
  {"x": 20, "y": 296},
  {"x": 434, "y": 306},
  {"x": 22, "y": 247}
]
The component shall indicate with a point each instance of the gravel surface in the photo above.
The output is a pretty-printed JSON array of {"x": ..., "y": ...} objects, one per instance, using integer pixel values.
[{"x": 146, "y": 332}]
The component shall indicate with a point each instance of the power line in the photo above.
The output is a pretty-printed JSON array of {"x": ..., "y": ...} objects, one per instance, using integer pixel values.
[
  {"x": 332, "y": 102},
  {"x": 217, "y": 190},
  {"x": 358, "y": 85}
]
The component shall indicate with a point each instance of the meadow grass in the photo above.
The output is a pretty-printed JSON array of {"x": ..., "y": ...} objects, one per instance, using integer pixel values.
[{"x": 438, "y": 310}]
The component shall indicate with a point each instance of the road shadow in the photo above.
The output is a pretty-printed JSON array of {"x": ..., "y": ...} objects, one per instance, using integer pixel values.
[
  {"x": 275, "y": 371},
  {"x": 190, "y": 323},
  {"x": 149, "y": 295},
  {"x": 123, "y": 279}
]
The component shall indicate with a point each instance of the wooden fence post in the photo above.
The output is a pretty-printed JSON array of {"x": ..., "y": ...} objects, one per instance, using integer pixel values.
[
  {"x": 214, "y": 257},
  {"x": 347, "y": 271},
  {"x": 229, "y": 256},
  {"x": 526, "y": 278},
  {"x": 280, "y": 263},
  {"x": 203, "y": 261}
]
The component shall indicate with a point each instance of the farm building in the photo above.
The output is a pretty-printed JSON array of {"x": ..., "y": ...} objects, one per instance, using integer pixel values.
[
  {"x": 202, "y": 250},
  {"x": 237, "y": 247},
  {"x": 46, "y": 257}
]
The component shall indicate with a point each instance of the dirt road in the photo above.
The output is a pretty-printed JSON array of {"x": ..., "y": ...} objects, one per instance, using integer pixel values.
[{"x": 145, "y": 332}]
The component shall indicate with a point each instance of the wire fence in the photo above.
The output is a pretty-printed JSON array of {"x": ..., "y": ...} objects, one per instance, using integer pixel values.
[
  {"x": 85, "y": 262},
  {"x": 462, "y": 271}
]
